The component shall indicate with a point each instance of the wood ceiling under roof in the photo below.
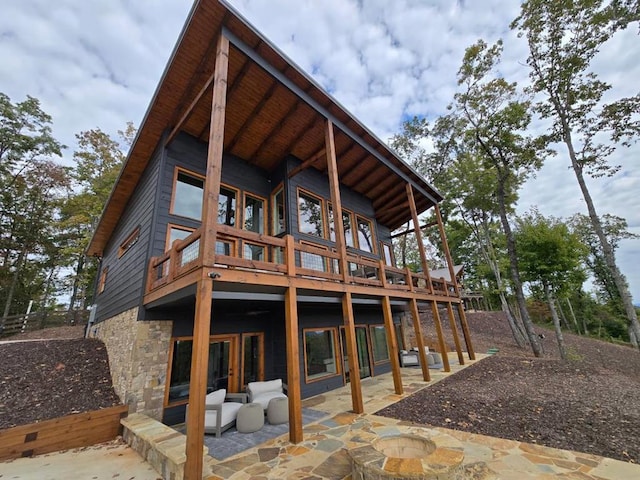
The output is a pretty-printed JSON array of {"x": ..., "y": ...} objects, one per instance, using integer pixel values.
[{"x": 265, "y": 121}]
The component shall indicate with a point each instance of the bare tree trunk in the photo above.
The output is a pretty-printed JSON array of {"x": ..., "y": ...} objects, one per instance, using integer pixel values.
[
  {"x": 556, "y": 322},
  {"x": 515, "y": 273},
  {"x": 607, "y": 250},
  {"x": 76, "y": 282},
  {"x": 562, "y": 316},
  {"x": 573, "y": 316},
  {"x": 14, "y": 283}
]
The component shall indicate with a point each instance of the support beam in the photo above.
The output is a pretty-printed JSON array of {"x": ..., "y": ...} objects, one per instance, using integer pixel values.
[
  {"x": 308, "y": 162},
  {"x": 417, "y": 327},
  {"x": 214, "y": 154},
  {"x": 456, "y": 287},
  {"x": 418, "y": 233},
  {"x": 198, "y": 382},
  {"x": 392, "y": 344},
  {"x": 440, "y": 334},
  {"x": 352, "y": 354},
  {"x": 293, "y": 365},
  {"x": 187, "y": 113},
  {"x": 407, "y": 232},
  {"x": 454, "y": 330}
]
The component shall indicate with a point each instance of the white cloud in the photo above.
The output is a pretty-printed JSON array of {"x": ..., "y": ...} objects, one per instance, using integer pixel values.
[{"x": 97, "y": 64}]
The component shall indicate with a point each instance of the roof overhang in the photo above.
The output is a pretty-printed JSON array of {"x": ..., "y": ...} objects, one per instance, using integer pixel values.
[{"x": 273, "y": 110}]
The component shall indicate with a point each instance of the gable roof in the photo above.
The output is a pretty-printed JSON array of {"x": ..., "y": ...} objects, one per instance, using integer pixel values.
[{"x": 274, "y": 109}]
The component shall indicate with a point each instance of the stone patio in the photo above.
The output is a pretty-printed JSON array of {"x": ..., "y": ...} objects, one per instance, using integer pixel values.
[{"x": 323, "y": 453}]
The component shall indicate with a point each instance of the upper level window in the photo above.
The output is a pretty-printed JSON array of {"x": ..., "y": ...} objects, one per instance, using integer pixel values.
[
  {"x": 279, "y": 223},
  {"x": 187, "y": 194},
  {"x": 129, "y": 242},
  {"x": 346, "y": 224},
  {"x": 388, "y": 254},
  {"x": 310, "y": 215},
  {"x": 177, "y": 233},
  {"x": 227, "y": 206},
  {"x": 365, "y": 234},
  {"x": 254, "y": 213}
]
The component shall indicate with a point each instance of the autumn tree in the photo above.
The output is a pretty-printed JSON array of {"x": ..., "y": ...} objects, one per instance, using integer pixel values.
[
  {"x": 563, "y": 37},
  {"x": 99, "y": 159}
]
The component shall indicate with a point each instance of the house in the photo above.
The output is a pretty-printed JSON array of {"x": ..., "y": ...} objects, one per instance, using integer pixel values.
[{"x": 221, "y": 260}]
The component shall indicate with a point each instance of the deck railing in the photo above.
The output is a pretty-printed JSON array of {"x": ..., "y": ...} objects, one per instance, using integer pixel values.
[{"x": 242, "y": 249}]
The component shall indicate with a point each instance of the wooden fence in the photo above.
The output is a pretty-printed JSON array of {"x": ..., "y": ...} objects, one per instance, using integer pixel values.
[
  {"x": 39, "y": 320},
  {"x": 73, "y": 431}
]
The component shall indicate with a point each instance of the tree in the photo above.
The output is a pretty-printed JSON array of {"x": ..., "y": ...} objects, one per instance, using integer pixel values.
[
  {"x": 31, "y": 185},
  {"x": 491, "y": 118},
  {"x": 563, "y": 38},
  {"x": 99, "y": 159},
  {"x": 550, "y": 256}
]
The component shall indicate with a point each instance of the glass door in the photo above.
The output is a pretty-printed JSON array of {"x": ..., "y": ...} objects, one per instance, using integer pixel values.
[
  {"x": 362, "y": 348},
  {"x": 252, "y": 357},
  {"x": 223, "y": 363}
]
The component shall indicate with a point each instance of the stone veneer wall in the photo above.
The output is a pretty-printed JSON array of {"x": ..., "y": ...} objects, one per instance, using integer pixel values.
[{"x": 138, "y": 358}]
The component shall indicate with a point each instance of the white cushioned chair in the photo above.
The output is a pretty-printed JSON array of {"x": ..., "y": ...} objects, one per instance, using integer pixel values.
[
  {"x": 263, "y": 392},
  {"x": 220, "y": 414}
]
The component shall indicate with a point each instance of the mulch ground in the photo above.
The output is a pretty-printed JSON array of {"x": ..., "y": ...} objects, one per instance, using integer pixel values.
[
  {"x": 41, "y": 380},
  {"x": 590, "y": 403}
]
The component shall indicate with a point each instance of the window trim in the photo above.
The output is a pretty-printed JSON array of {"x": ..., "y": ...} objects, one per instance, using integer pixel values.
[
  {"x": 372, "y": 326},
  {"x": 391, "y": 254},
  {"x": 129, "y": 242},
  {"x": 322, "y": 212},
  {"x": 260, "y": 336},
  {"x": 272, "y": 212},
  {"x": 265, "y": 213},
  {"x": 190, "y": 173},
  {"x": 373, "y": 235},
  {"x": 336, "y": 352},
  {"x": 351, "y": 218},
  {"x": 102, "y": 284},
  {"x": 167, "y": 245},
  {"x": 233, "y": 361},
  {"x": 236, "y": 213}
]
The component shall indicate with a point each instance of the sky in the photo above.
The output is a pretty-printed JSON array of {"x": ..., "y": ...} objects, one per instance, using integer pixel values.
[{"x": 97, "y": 64}]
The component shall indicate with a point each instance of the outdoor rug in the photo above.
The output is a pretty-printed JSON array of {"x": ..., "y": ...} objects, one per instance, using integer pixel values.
[{"x": 232, "y": 442}]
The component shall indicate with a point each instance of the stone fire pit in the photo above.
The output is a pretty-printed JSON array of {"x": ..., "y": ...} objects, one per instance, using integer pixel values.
[{"x": 408, "y": 453}]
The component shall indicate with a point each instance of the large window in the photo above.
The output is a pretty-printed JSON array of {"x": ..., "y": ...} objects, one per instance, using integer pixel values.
[
  {"x": 347, "y": 224},
  {"x": 379, "y": 343},
  {"x": 187, "y": 194},
  {"x": 176, "y": 233},
  {"x": 310, "y": 218},
  {"x": 279, "y": 222},
  {"x": 227, "y": 206},
  {"x": 388, "y": 255},
  {"x": 365, "y": 234},
  {"x": 254, "y": 218},
  {"x": 320, "y": 353}
]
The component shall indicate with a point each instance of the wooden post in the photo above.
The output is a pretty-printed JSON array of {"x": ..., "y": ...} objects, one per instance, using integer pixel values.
[
  {"x": 347, "y": 307},
  {"x": 334, "y": 187},
  {"x": 202, "y": 320},
  {"x": 454, "y": 330},
  {"x": 293, "y": 364},
  {"x": 392, "y": 345},
  {"x": 198, "y": 381},
  {"x": 420, "y": 340},
  {"x": 456, "y": 287},
  {"x": 418, "y": 234},
  {"x": 441, "y": 342},
  {"x": 214, "y": 154},
  {"x": 352, "y": 354}
]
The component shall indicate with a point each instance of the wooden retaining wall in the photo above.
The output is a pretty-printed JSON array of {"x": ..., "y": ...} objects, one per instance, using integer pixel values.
[{"x": 72, "y": 431}]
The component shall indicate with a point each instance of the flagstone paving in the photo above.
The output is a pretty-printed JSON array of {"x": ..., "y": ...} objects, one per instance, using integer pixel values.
[{"x": 323, "y": 452}]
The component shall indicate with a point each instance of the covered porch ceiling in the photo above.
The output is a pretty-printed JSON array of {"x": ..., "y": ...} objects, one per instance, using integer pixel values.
[{"x": 273, "y": 110}]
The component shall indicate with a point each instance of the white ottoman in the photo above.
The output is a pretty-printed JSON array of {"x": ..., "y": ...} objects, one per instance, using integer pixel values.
[
  {"x": 250, "y": 418},
  {"x": 278, "y": 411}
]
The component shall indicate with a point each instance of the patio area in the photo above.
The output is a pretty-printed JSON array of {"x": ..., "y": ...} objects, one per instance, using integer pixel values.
[{"x": 323, "y": 453}]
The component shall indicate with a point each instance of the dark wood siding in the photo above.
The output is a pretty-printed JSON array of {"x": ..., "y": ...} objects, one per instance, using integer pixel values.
[{"x": 124, "y": 286}]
